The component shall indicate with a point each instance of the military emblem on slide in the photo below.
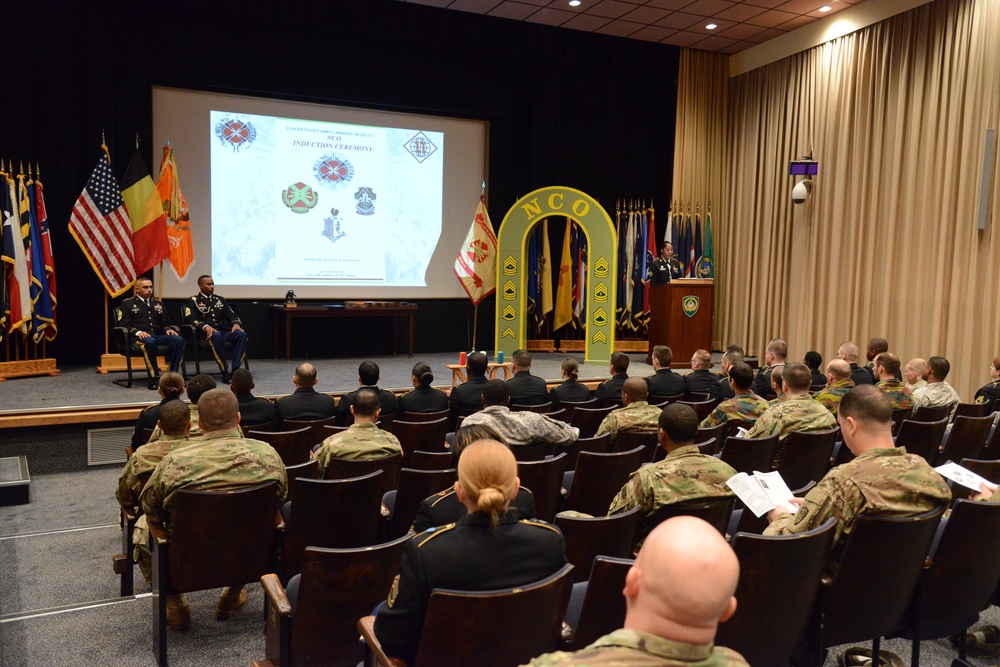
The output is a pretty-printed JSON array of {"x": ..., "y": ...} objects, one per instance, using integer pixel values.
[
  {"x": 331, "y": 226},
  {"x": 364, "y": 199},
  {"x": 299, "y": 197},
  {"x": 690, "y": 304},
  {"x": 420, "y": 147},
  {"x": 334, "y": 171},
  {"x": 235, "y": 133}
]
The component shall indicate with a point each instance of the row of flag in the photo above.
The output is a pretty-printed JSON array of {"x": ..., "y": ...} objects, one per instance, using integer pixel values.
[
  {"x": 29, "y": 272},
  {"x": 125, "y": 232},
  {"x": 686, "y": 237},
  {"x": 570, "y": 298}
]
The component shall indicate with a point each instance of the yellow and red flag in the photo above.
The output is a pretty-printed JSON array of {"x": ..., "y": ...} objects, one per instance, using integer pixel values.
[
  {"x": 149, "y": 225},
  {"x": 476, "y": 265},
  {"x": 175, "y": 209},
  {"x": 564, "y": 291}
]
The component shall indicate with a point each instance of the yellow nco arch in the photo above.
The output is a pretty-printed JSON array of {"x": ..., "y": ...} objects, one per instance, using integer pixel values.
[{"x": 512, "y": 281}]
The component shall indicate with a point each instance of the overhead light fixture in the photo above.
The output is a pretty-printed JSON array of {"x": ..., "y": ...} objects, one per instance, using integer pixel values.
[
  {"x": 711, "y": 26},
  {"x": 825, "y": 8},
  {"x": 574, "y": 3}
]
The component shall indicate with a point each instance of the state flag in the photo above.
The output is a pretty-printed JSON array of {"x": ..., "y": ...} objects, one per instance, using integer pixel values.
[
  {"x": 476, "y": 265},
  {"x": 145, "y": 210}
]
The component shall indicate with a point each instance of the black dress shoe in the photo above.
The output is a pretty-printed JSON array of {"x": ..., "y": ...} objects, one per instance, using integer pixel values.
[
  {"x": 153, "y": 385},
  {"x": 226, "y": 378}
]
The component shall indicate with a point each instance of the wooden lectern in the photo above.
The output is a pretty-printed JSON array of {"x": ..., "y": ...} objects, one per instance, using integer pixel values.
[{"x": 681, "y": 317}]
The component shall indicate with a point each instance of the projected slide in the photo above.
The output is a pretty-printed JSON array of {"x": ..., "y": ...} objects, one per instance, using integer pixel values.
[{"x": 303, "y": 202}]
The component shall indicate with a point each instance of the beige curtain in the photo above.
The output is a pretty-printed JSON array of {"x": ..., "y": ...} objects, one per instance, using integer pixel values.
[
  {"x": 886, "y": 246},
  {"x": 701, "y": 139}
]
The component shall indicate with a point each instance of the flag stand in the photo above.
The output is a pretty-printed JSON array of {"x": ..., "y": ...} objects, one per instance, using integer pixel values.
[{"x": 27, "y": 367}]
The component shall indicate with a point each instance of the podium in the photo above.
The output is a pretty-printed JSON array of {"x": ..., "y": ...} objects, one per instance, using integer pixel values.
[{"x": 681, "y": 318}]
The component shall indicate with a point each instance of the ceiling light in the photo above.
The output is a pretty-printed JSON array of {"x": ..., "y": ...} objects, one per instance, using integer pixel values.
[
  {"x": 574, "y": 3},
  {"x": 711, "y": 26},
  {"x": 825, "y": 8}
]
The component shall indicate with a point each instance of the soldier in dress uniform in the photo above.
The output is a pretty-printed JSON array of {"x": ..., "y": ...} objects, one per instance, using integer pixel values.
[
  {"x": 990, "y": 392},
  {"x": 363, "y": 440},
  {"x": 146, "y": 320},
  {"x": 636, "y": 415},
  {"x": 774, "y": 356},
  {"x": 666, "y": 267},
  {"x": 214, "y": 318},
  {"x": 733, "y": 354},
  {"x": 664, "y": 382}
]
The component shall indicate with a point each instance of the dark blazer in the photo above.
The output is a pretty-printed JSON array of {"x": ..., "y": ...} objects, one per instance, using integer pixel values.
[
  {"x": 704, "y": 382},
  {"x": 255, "y": 410},
  {"x": 147, "y": 419},
  {"x": 725, "y": 391},
  {"x": 466, "y": 556},
  {"x": 665, "y": 382},
  {"x": 467, "y": 396},
  {"x": 137, "y": 317},
  {"x": 386, "y": 399},
  {"x": 610, "y": 389},
  {"x": 571, "y": 391},
  {"x": 445, "y": 507},
  {"x": 817, "y": 377},
  {"x": 423, "y": 399},
  {"x": 306, "y": 404},
  {"x": 527, "y": 389},
  {"x": 762, "y": 385},
  {"x": 861, "y": 376}
]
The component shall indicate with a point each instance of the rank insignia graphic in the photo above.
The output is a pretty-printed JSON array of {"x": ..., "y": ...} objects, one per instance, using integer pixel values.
[
  {"x": 235, "y": 133},
  {"x": 509, "y": 313},
  {"x": 299, "y": 197},
  {"x": 420, "y": 147},
  {"x": 331, "y": 226},
  {"x": 600, "y": 318},
  {"x": 510, "y": 266},
  {"x": 509, "y": 291},
  {"x": 690, "y": 305},
  {"x": 601, "y": 268},
  {"x": 364, "y": 198},
  {"x": 333, "y": 171},
  {"x": 599, "y": 337},
  {"x": 601, "y": 293}
]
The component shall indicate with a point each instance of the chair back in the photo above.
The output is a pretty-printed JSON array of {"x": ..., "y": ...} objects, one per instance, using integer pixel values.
[
  {"x": 414, "y": 486},
  {"x": 432, "y": 460},
  {"x": 390, "y": 466},
  {"x": 898, "y": 417},
  {"x": 664, "y": 401},
  {"x": 588, "y": 419},
  {"x": 710, "y": 447},
  {"x": 750, "y": 454},
  {"x": 599, "y": 477},
  {"x": 427, "y": 436},
  {"x": 973, "y": 409},
  {"x": 536, "y": 451},
  {"x": 532, "y": 614},
  {"x": 715, "y": 511},
  {"x": 807, "y": 456},
  {"x": 589, "y": 537},
  {"x": 307, "y": 470},
  {"x": 697, "y": 397},
  {"x": 991, "y": 452},
  {"x": 570, "y": 406},
  {"x": 932, "y": 413},
  {"x": 870, "y": 592},
  {"x": 544, "y": 479},
  {"x": 967, "y": 439},
  {"x": 559, "y": 414},
  {"x": 221, "y": 538},
  {"x": 338, "y": 513},
  {"x": 603, "y": 609},
  {"x": 542, "y": 408},
  {"x": 318, "y": 434},
  {"x": 989, "y": 470},
  {"x": 424, "y": 416},
  {"x": 718, "y": 432},
  {"x": 600, "y": 444},
  {"x": 246, "y": 427},
  {"x": 338, "y": 587},
  {"x": 703, "y": 408},
  {"x": 292, "y": 446},
  {"x": 629, "y": 439},
  {"x": 776, "y": 572},
  {"x": 331, "y": 429}
]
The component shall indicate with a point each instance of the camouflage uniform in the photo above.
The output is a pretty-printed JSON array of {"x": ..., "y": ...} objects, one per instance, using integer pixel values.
[
  {"x": 935, "y": 394},
  {"x": 141, "y": 464},
  {"x": 916, "y": 385},
  {"x": 641, "y": 649},
  {"x": 883, "y": 482},
  {"x": 685, "y": 474},
  {"x": 798, "y": 413},
  {"x": 745, "y": 407},
  {"x": 195, "y": 431},
  {"x": 637, "y": 416},
  {"x": 831, "y": 394},
  {"x": 523, "y": 428},
  {"x": 362, "y": 441},
  {"x": 217, "y": 460},
  {"x": 894, "y": 389},
  {"x": 779, "y": 398}
]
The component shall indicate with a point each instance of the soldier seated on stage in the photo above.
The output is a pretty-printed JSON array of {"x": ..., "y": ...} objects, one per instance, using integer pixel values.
[
  {"x": 363, "y": 440},
  {"x": 839, "y": 382},
  {"x": 676, "y": 593},
  {"x": 618, "y": 367},
  {"x": 306, "y": 404},
  {"x": 214, "y": 318},
  {"x": 886, "y": 375},
  {"x": 936, "y": 392},
  {"x": 175, "y": 423},
  {"x": 148, "y": 326},
  {"x": 636, "y": 415},
  {"x": 744, "y": 406},
  {"x": 368, "y": 377}
]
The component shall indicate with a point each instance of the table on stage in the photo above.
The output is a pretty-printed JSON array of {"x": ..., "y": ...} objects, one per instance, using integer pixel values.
[
  {"x": 288, "y": 315},
  {"x": 458, "y": 371}
]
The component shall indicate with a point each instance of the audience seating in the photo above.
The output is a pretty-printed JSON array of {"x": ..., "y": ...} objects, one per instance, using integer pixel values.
[
  {"x": 991, "y": 451},
  {"x": 966, "y": 440},
  {"x": 750, "y": 454},
  {"x": 559, "y": 414},
  {"x": 292, "y": 446},
  {"x": 536, "y": 451},
  {"x": 807, "y": 456},
  {"x": 613, "y": 402},
  {"x": 710, "y": 448},
  {"x": 432, "y": 460},
  {"x": 599, "y": 477},
  {"x": 590, "y": 537},
  {"x": 424, "y": 416},
  {"x": 414, "y": 486},
  {"x": 932, "y": 414},
  {"x": 922, "y": 437},
  {"x": 600, "y": 444},
  {"x": 570, "y": 406},
  {"x": 735, "y": 425},
  {"x": 328, "y": 430},
  {"x": 898, "y": 417},
  {"x": 542, "y": 408},
  {"x": 629, "y": 439},
  {"x": 603, "y": 608},
  {"x": 780, "y": 578},
  {"x": 337, "y": 587},
  {"x": 336, "y": 513},
  {"x": 218, "y": 538},
  {"x": 588, "y": 419},
  {"x": 317, "y": 432},
  {"x": 972, "y": 410},
  {"x": 123, "y": 564},
  {"x": 703, "y": 408},
  {"x": 246, "y": 427},
  {"x": 697, "y": 397},
  {"x": 307, "y": 470},
  {"x": 663, "y": 401},
  {"x": 390, "y": 466},
  {"x": 989, "y": 470},
  {"x": 544, "y": 480},
  {"x": 427, "y": 436},
  {"x": 715, "y": 511},
  {"x": 532, "y": 614},
  {"x": 718, "y": 432}
]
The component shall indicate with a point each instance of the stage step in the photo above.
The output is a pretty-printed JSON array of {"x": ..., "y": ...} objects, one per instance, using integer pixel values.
[{"x": 15, "y": 483}]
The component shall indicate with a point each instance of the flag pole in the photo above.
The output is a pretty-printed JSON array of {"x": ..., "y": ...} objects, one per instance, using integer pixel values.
[
  {"x": 475, "y": 307},
  {"x": 106, "y": 333}
]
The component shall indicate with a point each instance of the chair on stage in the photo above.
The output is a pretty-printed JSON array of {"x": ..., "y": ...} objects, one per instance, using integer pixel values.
[
  {"x": 532, "y": 614},
  {"x": 217, "y": 538},
  {"x": 588, "y": 419},
  {"x": 750, "y": 454},
  {"x": 293, "y": 446},
  {"x": 390, "y": 466},
  {"x": 589, "y": 537},
  {"x": 807, "y": 456},
  {"x": 544, "y": 479},
  {"x": 414, "y": 486},
  {"x": 196, "y": 342},
  {"x": 603, "y": 607},
  {"x": 599, "y": 477},
  {"x": 120, "y": 338},
  {"x": 336, "y": 588}
]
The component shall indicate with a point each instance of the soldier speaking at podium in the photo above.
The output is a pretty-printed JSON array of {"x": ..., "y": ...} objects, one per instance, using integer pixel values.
[
  {"x": 666, "y": 267},
  {"x": 215, "y": 319},
  {"x": 145, "y": 318}
]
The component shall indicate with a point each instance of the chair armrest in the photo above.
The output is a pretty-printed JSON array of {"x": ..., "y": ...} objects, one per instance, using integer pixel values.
[
  {"x": 567, "y": 634},
  {"x": 158, "y": 534},
  {"x": 279, "y": 522},
  {"x": 275, "y": 593},
  {"x": 189, "y": 332},
  {"x": 120, "y": 335},
  {"x": 130, "y": 514},
  {"x": 366, "y": 626}
]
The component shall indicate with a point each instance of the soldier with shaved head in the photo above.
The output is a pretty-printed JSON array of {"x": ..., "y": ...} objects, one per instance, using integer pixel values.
[
  {"x": 838, "y": 383},
  {"x": 849, "y": 352}
]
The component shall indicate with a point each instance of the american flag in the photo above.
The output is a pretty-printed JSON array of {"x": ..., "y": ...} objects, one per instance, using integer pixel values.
[{"x": 100, "y": 224}]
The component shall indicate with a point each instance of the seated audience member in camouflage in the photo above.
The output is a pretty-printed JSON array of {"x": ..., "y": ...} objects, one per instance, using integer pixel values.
[
  {"x": 914, "y": 372},
  {"x": 221, "y": 459},
  {"x": 839, "y": 382},
  {"x": 937, "y": 392},
  {"x": 618, "y": 367},
  {"x": 363, "y": 440},
  {"x": 777, "y": 388},
  {"x": 636, "y": 415},
  {"x": 990, "y": 392},
  {"x": 882, "y": 480},
  {"x": 849, "y": 352},
  {"x": 732, "y": 356},
  {"x": 814, "y": 360},
  {"x": 774, "y": 357},
  {"x": 744, "y": 406},
  {"x": 518, "y": 428},
  {"x": 170, "y": 388},
  {"x": 175, "y": 422},
  {"x": 198, "y": 385},
  {"x": 685, "y": 474},
  {"x": 677, "y": 592},
  {"x": 445, "y": 507},
  {"x": 664, "y": 382},
  {"x": 877, "y": 346},
  {"x": 798, "y": 412},
  {"x": 886, "y": 376}
]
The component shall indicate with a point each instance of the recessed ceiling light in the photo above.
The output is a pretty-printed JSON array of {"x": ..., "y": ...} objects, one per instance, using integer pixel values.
[
  {"x": 825, "y": 8},
  {"x": 574, "y": 3},
  {"x": 711, "y": 26}
]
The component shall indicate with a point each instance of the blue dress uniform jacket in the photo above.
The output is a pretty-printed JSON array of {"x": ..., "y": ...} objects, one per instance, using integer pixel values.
[
  {"x": 203, "y": 310},
  {"x": 137, "y": 316},
  {"x": 445, "y": 507},
  {"x": 665, "y": 382},
  {"x": 527, "y": 389},
  {"x": 703, "y": 382},
  {"x": 306, "y": 404},
  {"x": 423, "y": 399},
  {"x": 386, "y": 400},
  {"x": 571, "y": 391},
  {"x": 610, "y": 389}
]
